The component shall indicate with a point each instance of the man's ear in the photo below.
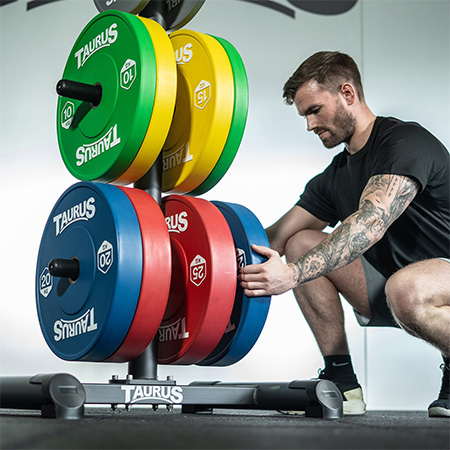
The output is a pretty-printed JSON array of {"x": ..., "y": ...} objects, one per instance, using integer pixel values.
[{"x": 349, "y": 93}]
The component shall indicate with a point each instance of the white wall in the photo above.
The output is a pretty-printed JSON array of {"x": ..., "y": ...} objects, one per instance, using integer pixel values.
[{"x": 403, "y": 48}]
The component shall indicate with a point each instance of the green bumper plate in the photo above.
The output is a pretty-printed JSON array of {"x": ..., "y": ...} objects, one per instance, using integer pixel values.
[{"x": 115, "y": 51}]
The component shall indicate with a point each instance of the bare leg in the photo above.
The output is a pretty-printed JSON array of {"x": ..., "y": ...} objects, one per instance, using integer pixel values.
[
  {"x": 419, "y": 297},
  {"x": 319, "y": 299},
  {"x": 321, "y": 305}
]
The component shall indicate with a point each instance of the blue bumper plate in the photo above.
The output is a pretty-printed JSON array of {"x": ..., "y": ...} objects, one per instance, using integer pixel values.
[
  {"x": 249, "y": 314},
  {"x": 86, "y": 319}
]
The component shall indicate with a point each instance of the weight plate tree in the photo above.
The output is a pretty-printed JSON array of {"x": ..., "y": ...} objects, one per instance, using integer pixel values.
[
  {"x": 249, "y": 313},
  {"x": 112, "y": 71},
  {"x": 203, "y": 280},
  {"x": 89, "y": 272},
  {"x": 112, "y": 265}
]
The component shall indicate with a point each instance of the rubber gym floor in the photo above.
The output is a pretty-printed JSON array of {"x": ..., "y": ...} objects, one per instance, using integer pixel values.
[{"x": 224, "y": 429}]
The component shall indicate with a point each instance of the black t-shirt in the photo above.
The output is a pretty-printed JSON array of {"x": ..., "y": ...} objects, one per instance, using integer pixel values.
[{"x": 394, "y": 147}]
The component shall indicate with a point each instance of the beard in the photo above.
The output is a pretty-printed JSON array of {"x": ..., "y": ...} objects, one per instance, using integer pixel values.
[{"x": 341, "y": 129}]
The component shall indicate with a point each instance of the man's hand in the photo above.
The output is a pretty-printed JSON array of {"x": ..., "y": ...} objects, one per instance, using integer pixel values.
[{"x": 269, "y": 278}]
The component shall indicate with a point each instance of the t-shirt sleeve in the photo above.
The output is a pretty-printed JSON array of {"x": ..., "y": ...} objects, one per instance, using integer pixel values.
[
  {"x": 316, "y": 199},
  {"x": 408, "y": 150}
]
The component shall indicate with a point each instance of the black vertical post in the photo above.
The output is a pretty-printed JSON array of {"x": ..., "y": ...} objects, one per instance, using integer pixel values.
[
  {"x": 151, "y": 182},
  {"x": 145, "y": 366}
]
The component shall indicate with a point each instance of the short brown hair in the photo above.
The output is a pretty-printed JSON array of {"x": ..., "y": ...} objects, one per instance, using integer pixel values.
[{"x": 329, "y": 69}]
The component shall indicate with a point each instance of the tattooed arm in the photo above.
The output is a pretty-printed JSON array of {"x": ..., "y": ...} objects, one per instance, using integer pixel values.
[{"x": 383, "y": 200}]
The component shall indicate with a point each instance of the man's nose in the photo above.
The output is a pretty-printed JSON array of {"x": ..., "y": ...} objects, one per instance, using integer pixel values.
[{"x": 311, "y": 123}]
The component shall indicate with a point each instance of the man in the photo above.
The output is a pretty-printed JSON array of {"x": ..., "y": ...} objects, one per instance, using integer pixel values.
[{"x": 389, "y": 189}]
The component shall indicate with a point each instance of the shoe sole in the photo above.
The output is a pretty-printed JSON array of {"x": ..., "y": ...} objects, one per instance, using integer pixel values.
[
  {"x": 438, "y": 411},
  {"x": 349, "y": 409},
  {"x": 354, "y": 410}
]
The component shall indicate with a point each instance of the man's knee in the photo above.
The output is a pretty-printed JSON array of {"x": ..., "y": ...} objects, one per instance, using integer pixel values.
[
  {"x": 405, "y": 295},
  {"x": 301, "y": 242}
]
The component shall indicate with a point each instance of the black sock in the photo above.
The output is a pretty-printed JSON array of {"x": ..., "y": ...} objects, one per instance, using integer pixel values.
[
  {"x": 445, "y": 386},
  {"x": 339, "y": 368}
]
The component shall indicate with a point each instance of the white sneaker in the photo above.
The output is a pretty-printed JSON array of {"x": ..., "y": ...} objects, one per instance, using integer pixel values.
[{"x": 354, "y": 404}]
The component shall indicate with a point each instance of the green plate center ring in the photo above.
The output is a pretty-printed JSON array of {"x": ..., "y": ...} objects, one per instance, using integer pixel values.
[
  {"x": 116, "y": 52},
  {"x": 97, "y": 118}
]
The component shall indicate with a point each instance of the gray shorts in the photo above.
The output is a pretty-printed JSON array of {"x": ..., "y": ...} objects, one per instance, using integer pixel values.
[{"x": 381, "y": 314}]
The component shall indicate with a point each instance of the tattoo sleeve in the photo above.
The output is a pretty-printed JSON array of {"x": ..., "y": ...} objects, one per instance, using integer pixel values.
[{"x": 383, "y": 200}]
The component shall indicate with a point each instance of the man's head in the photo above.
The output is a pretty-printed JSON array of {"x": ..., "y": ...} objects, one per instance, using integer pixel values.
[
  {"x": 330, "y": 70},
  {"x": 327, "y": 90}
]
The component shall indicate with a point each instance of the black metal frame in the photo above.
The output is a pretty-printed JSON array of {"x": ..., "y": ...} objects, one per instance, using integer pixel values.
[{"x": 62, "y": 396}]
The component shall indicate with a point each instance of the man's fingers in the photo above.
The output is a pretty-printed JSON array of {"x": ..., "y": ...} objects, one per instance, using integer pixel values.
[
  {"x": 265, "y": 251},
  {"x": 251, "y": 269},
  {"x": 255, "y": 292},
  {"x": 254, "y": 284},
  {"x": 269, "y": 278},
  {"x": 259, "y": 268}
]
